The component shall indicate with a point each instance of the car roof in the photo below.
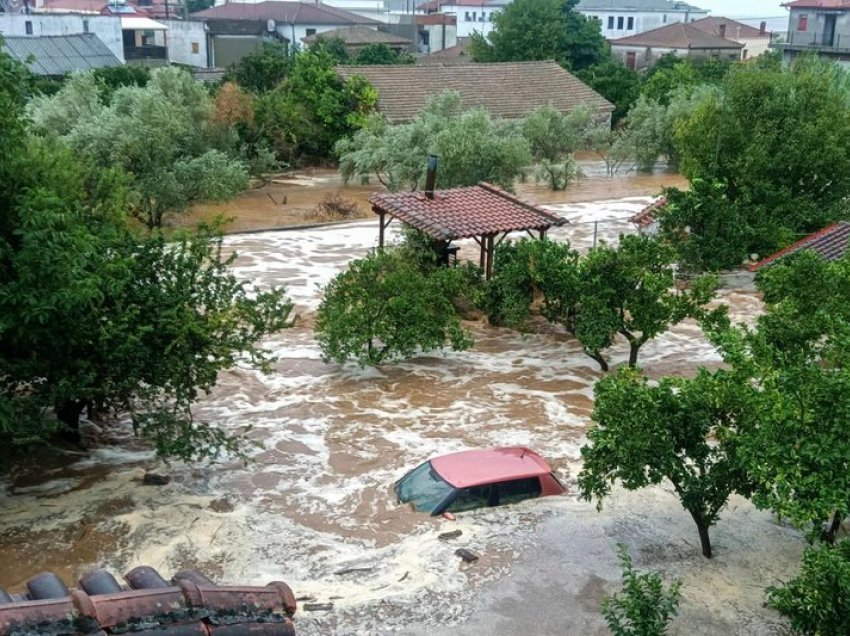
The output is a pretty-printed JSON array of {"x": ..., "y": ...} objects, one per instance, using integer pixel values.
[{"x": 478, "y": 467}]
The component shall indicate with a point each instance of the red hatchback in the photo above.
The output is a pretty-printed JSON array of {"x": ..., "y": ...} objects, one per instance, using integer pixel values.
[{"x": 477, "y": 479}]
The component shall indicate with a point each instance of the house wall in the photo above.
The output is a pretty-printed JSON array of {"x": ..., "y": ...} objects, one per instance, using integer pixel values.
[
  {"x": 296, "y": 32},
  {"x": 227, "y": 49},
  {"x": 440, "y": 36},
  {"x": 647, "y": 56},
  {"x": 472, "y": 19},
  {"x": 106, "y": 28},
  {"x": 615, "y": 24},
  {"x": 753, "y": 47},
  {"x": 815, "y": 27},
  {"x": 187, "y": 42}
]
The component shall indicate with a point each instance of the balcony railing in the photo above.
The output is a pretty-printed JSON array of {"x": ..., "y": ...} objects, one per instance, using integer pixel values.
[
  {"x": 811, "y": 40},
  {"x": 148, "y": 52}
]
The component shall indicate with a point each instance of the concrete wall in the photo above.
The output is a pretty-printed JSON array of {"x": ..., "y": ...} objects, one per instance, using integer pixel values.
[
  {"x": 815, "y": 33},
  {"x": 610, "y": 20},
  {"x": 440, "y": 36},
  {"x": 646, "y": 56},
  {"x": 227, "y": 49},
  {"x": 106, "y": 28},
  {"x": 753, "y": 47},
  {"x": 187, "y": 42},
  {"x": 472, "y": 19}
]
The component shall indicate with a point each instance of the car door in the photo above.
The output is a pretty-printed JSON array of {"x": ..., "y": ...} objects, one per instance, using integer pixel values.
[{"x": 472, "y": 498}]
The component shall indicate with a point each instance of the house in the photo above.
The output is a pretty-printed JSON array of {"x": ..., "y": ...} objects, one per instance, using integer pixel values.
[
  {"x": 436, "y": 32},
  {"x": 684, "y": 40},
  {"x": 150, "y": 8},
  {"x": 144, "y": 38},
  {"x": 106, "y": 28},
  {"x": 236, "y": 29},
  {"x": 457, "y": 54},
  {"x": 817, "y": 26},
  {"x": 646, "y": 221},
  {"x": 830, "y": 243},
  {"x": 58, "y": 55},
  {"x": 755, "y": 41},
  {"x": 509, "y": 90},
  {"x": 473, "y": 16},
  {"x": 621, "y": 18},
  {"x": 358, "y": 37}
]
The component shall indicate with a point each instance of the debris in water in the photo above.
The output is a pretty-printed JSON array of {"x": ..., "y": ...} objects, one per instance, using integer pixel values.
[
  {"x": 153, "y": 479},
  {"x": 353, "y": 570},
  {"x": 318, "y": 607},
  {"x": 445, "y": 536},
  {"x": 466, "y": 555},
  {"x": 406, "y": 574},
  {"x": 222, "y": 505}
]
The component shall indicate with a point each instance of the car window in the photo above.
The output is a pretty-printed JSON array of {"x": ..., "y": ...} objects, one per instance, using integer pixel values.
[
  {"x": 424, "y": 488},
  {"x": 518, "y": 489},
  {"x": 471, "y": 498}
]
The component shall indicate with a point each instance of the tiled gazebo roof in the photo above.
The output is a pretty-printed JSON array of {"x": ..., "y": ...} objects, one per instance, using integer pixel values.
[
  {"x": 464, "y": 212},
  {"x": 831, "y": 243},
  {"x": 649, "y": 214}
]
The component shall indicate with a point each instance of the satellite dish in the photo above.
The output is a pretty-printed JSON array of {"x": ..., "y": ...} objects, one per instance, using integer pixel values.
[{"x": 270, "y": 26}]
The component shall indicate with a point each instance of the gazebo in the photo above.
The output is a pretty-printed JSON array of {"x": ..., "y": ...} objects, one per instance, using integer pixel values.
[{"x": 484, "y": 213}]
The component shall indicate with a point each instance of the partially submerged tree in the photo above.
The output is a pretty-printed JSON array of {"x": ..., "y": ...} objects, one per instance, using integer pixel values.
[
  {"x": 383, "y": 308},
  {"x": 679, "y": 430},
  {"x": 554, "y": 138},
  {"x": 643, "y": 607}
]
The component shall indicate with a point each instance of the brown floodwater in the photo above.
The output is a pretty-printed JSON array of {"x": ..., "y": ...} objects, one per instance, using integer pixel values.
[{"x": 330, "y": 440}]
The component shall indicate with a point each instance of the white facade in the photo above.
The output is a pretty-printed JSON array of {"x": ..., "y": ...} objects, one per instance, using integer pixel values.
[
  {"x": 106, "y": 28},
  {"x": 295, "y": 32},
  {"x": 472, "y": 19},
  {"x": 187, "y": 42},
  {"x": 620, "y": 23}
]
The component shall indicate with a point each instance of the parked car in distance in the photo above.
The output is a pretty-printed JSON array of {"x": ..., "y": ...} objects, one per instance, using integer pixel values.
[{"x": 477, "y": 479}]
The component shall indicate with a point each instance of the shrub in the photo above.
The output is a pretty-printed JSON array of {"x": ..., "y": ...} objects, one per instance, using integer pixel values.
[{"x": 336, "y": 207}]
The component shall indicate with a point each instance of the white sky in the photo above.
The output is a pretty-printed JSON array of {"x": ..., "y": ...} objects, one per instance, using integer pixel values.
[{"x": 742, "y": 8}]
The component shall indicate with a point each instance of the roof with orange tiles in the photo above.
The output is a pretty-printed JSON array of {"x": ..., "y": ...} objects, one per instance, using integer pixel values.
[
  {"x": 830, "y": 243},
  {"x": 677, "y": 36},
  {"x": 436, "y": 18},
  {"x": 509, "y": 90},
  {"x": 649, "y": 214},
  {"x": 358, "y": 35},
  {"x": 734, "y": 30},
  {"x": 818, "y": 4},
  {"x": 465, "y": 212},
  {"x": 285, "y": 12},
  {"x": 438, "y": 5}
]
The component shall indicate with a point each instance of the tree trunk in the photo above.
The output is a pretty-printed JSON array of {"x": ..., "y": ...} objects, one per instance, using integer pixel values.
[
  {"x": 634, "y": 348},
  {"x": 828, "y": 535},
  {"x": 69, "y": 414},
  {"x": 704, "y": 540},
  {"x": 603, "y": 364}
]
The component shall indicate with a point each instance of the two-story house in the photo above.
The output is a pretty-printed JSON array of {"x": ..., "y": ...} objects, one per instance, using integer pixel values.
[
  {"x": 817, "y": 26},
  {"x": 622, "y": 18},
  {"x": 473, "y": 16}
]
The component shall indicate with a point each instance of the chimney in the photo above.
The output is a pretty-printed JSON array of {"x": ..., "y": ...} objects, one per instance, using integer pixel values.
[
  {"x": 722, "y": 29},
  {"x": 431, "y": 176},
  {"x": 763, "y": 27}
]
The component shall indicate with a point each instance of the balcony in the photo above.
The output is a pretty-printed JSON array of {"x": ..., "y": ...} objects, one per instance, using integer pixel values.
[
  {"x": 147, "y": 52},
  {"x": 811, "y": 41}
]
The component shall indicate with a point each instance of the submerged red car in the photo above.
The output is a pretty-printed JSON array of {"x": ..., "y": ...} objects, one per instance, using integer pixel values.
[{"x": 477, "y": 479}]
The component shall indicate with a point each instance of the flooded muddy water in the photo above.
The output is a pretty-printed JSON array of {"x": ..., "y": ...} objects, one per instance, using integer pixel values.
[{"x": 315, "y": 503}]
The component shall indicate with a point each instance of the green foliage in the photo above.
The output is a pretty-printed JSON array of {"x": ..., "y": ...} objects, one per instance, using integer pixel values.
[
  {"x": 261, "y": 70},
  {"x": 681, "y": 430},
  {"x": 817, "y": 600},
  {"x": 630, "y": 291},
  {"x": 672, "y": 74},
  {"x": 110, "y": 78},
  {"x": 527, "y": 30},
  {"x": 777, "y": 139},
  {"x": 161, "y": 134},
  {"x": 383, "y": 307},
  {"x": 472, "y": 147},
  {"x": 382, "y": 54},
  {"x": 644, "y": 606},
  {"x": 193, "y": 6},
  {"x": 335, "y": 47},
  {"x": 616, "y": 83}
]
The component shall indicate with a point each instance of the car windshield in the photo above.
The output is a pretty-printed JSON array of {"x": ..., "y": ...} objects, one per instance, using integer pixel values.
[{"x": 423, "y": 488}]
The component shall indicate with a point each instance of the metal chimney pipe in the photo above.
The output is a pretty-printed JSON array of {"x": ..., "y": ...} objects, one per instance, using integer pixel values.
[{"x": 431, "y": 176}]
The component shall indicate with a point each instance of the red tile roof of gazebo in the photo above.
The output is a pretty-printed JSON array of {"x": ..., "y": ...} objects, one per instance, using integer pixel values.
[
  {"x": 831, "y": 243},
  {"x": 465, "y": 212},
  {"x": 649, "y": 214}
]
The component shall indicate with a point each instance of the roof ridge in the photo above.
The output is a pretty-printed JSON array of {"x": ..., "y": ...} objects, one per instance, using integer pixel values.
[
  {"x": 796, "y": 245},
  {"x": 514, "y": 199}
]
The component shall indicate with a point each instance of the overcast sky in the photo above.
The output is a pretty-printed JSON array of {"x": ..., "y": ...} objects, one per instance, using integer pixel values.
[{"x": 743, "y": 8}]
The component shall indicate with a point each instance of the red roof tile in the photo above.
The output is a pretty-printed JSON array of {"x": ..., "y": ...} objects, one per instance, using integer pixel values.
[
  {"x": 283, "y": 12},
  {"x": 648, "y": 215},
  {"x": 818, "y": 4},
  {"x": 734, "y": 30},
  {"x": 436, "y": 18},
  {"x": 464, "y": 212},
  {"x": 831, "y": 243}
]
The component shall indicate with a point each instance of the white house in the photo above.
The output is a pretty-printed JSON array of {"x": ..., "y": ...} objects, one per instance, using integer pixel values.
[
  {"x": 472, "y": 15},
  {"x": 622, "y": 18},
  {"x": 106, "y": 28},
  {"x": 681, "y": 39},
  {"x": 187, "y": 42}
]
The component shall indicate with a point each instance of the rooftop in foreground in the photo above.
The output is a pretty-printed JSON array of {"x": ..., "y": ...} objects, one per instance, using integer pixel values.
[
  {"x": 830, "y": 243},
  {"x": 476, "y": 467}
]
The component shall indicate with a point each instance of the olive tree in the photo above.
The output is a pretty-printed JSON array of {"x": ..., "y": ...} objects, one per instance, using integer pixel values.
[{"x": 680, "y": 430}]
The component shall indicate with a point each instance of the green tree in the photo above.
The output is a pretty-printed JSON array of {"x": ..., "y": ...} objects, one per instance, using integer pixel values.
[
  {"x": 161, "y": 134},
  {"x": 678, "y": 429},
  {"x": 261, "y": 70},
  {"x": 817, "y": 600},
  {"x": 472, "y": 147},
  {"x": 616, "y": 83},
  {"x": 335, "y": 47},
  {"x": 542, "y": 30},
  {"x": 644, "y": 606},
  {"x": 110, "y": 78},
  {"x": 193, "y": 6},
  {"x": 383, "y": 307},
  {"x": 382, "y": 54},
  {"x": 554, "y": 138},
  {"x": 672, "y": 74}
]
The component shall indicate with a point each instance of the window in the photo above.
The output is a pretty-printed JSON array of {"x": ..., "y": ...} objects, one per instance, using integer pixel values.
[
  {"x": 664, "y": 19},
  {"x": 311, "y": 31},
  {"x": 28, "y": 27},
  {"x": 196, "y": 48},
  {"x": 471, "y": 498},
  {"x": 85, "y": 26},
  {"x": 631, "y": 24},
  {"x": 802, "y": 22},
  {"x": 610, "y": 21},
  {"x": 473, "y": 16},
  {"x": 631, "y": 61},
  {"x": 517, "y": 490},
  {"x": 620, "y": 21},
  {"x": 466, "y": 18}
]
